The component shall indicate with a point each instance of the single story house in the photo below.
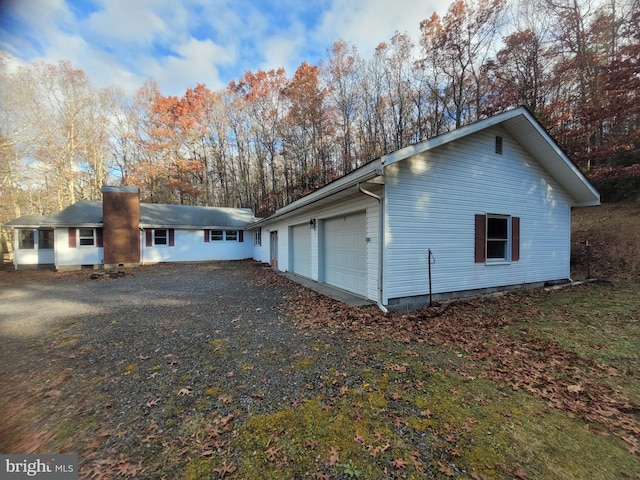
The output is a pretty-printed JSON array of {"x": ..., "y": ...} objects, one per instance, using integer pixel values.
[
  {"x": 482, "y": 208},
  {"x": 121, "y": 231}
]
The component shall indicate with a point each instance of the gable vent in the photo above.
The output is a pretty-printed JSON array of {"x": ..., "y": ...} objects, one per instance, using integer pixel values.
[{"x": 498, "y": 144}]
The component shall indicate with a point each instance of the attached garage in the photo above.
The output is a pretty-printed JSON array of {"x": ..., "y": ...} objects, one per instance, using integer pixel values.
[
  {"x": 301, "y": 250},
  {"x": 345, "y": 252},
  {"x": 372, "y": 229}
]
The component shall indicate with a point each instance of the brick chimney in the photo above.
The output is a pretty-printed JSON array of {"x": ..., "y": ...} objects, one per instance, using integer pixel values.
[{"x": 121, "y": 220}]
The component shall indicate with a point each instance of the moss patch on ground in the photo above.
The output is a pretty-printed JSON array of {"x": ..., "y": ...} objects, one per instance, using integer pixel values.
[{"x": 439, "y": 426}]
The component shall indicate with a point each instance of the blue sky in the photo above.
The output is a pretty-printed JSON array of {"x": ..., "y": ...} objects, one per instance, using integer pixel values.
[{"x": 181, "y": 43}]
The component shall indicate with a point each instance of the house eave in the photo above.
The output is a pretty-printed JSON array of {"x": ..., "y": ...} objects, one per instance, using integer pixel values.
[
  {"x": 351, "y": 180},
  {"x": 192, "y": 227},
  {"x": 53, "y": 225}
]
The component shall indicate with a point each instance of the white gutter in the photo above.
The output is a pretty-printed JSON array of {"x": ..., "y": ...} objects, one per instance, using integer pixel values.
[{"x": 380, "y": 243}]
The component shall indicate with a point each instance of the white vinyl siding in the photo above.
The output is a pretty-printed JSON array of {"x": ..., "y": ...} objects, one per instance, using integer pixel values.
[
  {"x": 66, "y": 256},
  {"x": 189, "y": 246},
  {"x": 35, "y": 247},
  {"x": 431, "y": 201}
]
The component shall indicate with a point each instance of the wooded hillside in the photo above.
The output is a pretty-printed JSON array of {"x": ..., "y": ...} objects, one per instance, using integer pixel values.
[{"x": 270, "y": 137}]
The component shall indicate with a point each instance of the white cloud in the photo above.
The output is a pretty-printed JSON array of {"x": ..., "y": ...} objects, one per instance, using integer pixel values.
[
  {"x": 367, "y": 23},
  {"x": 140, "y": 22},
  {"x": 285, "y": 50},
  {"x": 181, "y": 43},
  {"x": 197, "y": 63},
  {"x": 37, "y": 14}
]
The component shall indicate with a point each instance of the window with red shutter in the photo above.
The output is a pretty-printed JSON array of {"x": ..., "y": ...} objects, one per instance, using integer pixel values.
[{"x": 494, "y": 234}]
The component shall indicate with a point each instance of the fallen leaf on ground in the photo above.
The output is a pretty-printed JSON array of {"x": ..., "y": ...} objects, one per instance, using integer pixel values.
[{"x": 334, "y": 456}]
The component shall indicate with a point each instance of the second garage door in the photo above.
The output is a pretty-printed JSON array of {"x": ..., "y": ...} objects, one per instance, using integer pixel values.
[{"x": 345, "y": 253}]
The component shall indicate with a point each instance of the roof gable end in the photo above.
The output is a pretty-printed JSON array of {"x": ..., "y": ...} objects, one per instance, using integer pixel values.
[{"x": 525, "y": 129}]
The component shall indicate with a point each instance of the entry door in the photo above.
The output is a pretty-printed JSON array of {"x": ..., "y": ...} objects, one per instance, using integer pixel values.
[{"x": 273, "y": 244}]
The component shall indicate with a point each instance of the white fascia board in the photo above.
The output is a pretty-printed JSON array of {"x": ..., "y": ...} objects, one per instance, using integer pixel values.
[
  {"x": 71, "y": 225},
  {"x": 191, "y": 227},
  {"x": 364, "y": 173},
  {"x": 461, "y": 132},
  {"x": 544, "y": 149}
]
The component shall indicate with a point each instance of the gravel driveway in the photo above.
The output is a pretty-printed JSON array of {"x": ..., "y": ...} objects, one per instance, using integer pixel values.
[
  {"x": 229, "y": 370},
  {"x": 135, "y": 354}
]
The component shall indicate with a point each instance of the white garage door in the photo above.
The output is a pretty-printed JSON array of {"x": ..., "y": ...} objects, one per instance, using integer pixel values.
[
  {"x": 301, "y": 250},
  {"x": 345, "y": 253}
]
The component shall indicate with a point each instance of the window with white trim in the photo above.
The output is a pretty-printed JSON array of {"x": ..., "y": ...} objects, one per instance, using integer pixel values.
[
  {"x": 86, "y": 237},
  {"x": 225, "y": 236},
  {"x": 257, "y": 239},
  {"x": 26, "y": 239},
  {"x": 497, "y": 238},
  {"x": 160, "y": 236}
]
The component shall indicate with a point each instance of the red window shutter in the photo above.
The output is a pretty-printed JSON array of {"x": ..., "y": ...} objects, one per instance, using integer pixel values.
[
  {"x": 515, "y": 239},
  {"x": 481, "y": 239},
  {"x": 241, "y": 235},
  {"x": 99, "y": 237},
  {"x": 149, "y": 237},
  {"x": 207, "y": 236},
  {"x": 72, "y": 237},
  {"x": 171, "y": 237}
]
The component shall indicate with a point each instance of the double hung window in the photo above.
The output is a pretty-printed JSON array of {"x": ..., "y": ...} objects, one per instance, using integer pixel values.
[
  {"x": 86, "y": 237},
  {"x": 224, "y": 236},
  {"x": 497, "y": 238},
  {"x": 160, "y": 236}
]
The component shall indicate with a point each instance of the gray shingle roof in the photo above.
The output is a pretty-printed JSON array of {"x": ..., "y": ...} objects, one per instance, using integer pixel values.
[
  {"x": 84, "y": 212},
  {"x": 186, "y": 216},
  {"x": 87, "y": 212},
  {"x": 28, "y": 221}
]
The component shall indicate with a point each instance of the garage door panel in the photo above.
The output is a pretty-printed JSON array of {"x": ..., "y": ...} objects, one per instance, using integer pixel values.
[
  {"x": 345, "y": 252},
  {"x": 301, "y": 250}
]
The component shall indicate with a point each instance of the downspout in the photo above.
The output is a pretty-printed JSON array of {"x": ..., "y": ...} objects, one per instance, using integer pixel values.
[{"x": 380, "y": 245}]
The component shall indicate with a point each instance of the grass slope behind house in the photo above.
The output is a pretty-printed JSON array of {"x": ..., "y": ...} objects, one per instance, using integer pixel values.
[{"x": 613, "y": 233}]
